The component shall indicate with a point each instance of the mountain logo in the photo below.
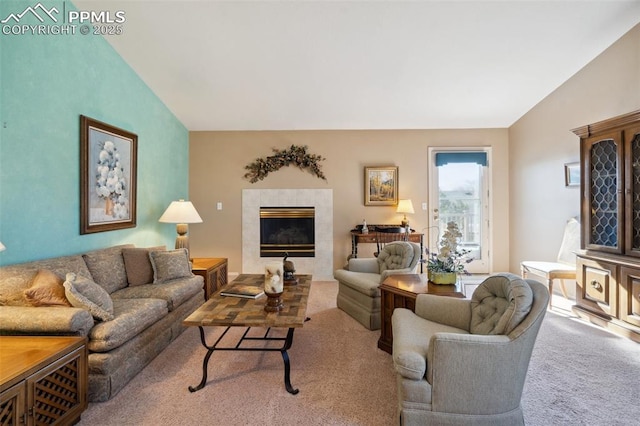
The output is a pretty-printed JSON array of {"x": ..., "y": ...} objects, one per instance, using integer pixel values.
[{"x": 38, "y": 11}]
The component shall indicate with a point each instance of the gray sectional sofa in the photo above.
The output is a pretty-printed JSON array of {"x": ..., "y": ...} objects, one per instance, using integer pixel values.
[{"x": 132, "y": 304}]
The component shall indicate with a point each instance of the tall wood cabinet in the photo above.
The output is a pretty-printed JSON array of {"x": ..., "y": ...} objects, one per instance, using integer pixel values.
[{"x": 608, "y": 264}]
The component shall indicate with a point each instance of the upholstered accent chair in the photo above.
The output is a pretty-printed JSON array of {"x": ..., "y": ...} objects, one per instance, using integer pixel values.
[
  {"x": 464, "y": 362},
  {"x": 358, "y": 282}
]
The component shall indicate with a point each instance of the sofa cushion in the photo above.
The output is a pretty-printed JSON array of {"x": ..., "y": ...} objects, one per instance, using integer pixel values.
[
  {"x": 46, "y": 290},
  {"x": 395, "y": 255},
  {"x": 169, "y": 265},
  {"x": 499, "y": 304},
  {"x": 363, "y": 282},
  {"x": 107, "y": 267},
  {"x": 131, "y": 317},
  {"x": 173, "y": 292},
  {"x": 137, "y": 264},
  {"x": 84, "y": 293}
]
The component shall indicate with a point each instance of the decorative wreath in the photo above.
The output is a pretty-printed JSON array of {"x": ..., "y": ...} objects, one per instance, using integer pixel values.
[{"x": 296, "y": 155}]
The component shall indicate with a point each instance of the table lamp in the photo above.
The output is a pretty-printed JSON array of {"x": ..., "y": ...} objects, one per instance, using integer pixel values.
[
  {"x": 405, "y": 206},
  {"x": 181, "y": 213}
]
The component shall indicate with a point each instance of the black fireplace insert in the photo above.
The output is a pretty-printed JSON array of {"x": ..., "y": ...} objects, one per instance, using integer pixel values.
[{"x": 287, "y": 230}]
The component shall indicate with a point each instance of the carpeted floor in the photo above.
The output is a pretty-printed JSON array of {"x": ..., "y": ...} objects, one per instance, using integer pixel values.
[{"x": 579, "y": 375}]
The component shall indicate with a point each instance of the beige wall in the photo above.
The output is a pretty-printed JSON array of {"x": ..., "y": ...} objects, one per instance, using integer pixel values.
[
  {"x": 217, "y": 161},
  {"x": 542, "y": 141}
]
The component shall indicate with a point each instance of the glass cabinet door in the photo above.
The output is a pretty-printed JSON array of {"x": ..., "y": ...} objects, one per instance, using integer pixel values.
[
  {"x": 603, "y": 190},
  {"x": 632, "y": 192}
]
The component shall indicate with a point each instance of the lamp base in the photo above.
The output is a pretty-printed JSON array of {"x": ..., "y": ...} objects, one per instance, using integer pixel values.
[{"x": 404, "y": 223}]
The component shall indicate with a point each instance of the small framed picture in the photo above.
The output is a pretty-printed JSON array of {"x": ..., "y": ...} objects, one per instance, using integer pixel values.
[
  {"x": 381, "y": 186},
  {"x": 572, "y": 174},
  {"x": 108, "y": 165}
]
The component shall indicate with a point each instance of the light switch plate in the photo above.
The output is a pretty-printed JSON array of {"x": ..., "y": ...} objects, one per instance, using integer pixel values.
[
  {"x": 424, "y": 206},
  {"x": 219, "y": 205}
]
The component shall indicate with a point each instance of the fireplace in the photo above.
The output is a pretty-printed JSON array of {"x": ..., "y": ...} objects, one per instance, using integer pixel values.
[{"x": 287, "y": 230}]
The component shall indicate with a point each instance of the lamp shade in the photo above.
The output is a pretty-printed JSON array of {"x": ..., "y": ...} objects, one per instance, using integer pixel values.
[
  {"x": 180, "y": 212},
  {"x": 405, "y": 206},
  {"x": 2, "y": 247}
]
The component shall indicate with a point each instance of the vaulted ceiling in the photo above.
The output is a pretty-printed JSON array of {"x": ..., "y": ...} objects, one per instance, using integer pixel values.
[{"x": 268, "y": 65}]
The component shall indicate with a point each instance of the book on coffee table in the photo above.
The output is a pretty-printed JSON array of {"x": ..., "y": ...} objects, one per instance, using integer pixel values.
[{"x": 248, "y": 291}]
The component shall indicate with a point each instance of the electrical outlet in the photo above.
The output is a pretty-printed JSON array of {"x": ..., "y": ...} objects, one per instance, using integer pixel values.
[{"x": 424, "y": 206}]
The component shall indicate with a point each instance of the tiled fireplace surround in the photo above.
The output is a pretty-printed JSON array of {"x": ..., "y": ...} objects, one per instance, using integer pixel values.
[{"x": 320, "y": 266}]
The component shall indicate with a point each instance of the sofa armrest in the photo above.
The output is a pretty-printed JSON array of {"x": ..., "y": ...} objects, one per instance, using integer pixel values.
[
  {"x": 365, "y": 264},
  {"x": 444, "y": 310},
  {"x": 45, "y": 320}
]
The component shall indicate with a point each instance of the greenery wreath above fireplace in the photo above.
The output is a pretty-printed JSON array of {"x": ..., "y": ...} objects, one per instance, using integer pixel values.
[{"x": 296, "y": 155}]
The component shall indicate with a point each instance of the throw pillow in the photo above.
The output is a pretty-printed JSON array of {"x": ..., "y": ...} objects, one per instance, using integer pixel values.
[
  {"x": 84, "y": 293},
  {"x": 46, "y": 290},
  {"x": 169, "y": 265},
  {"x": 138, "y": 264},
  {"x": 107, "y": 267}
]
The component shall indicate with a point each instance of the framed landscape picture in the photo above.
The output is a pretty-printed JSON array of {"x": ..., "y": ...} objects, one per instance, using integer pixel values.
[
  {"x": 381, "y": 186},
  {"x": 108, "y": 167}
]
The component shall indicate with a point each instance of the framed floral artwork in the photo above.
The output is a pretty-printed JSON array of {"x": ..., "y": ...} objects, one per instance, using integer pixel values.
[
  {"x": 381, "y": 186},
  {"x": 108, "y": 167}
]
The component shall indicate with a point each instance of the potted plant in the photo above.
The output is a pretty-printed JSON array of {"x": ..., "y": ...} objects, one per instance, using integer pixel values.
[{"x": 443, "y": 267}]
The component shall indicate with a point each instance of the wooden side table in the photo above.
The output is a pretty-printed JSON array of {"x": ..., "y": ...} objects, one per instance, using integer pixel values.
[
  {"x": 43, "y": 379},
  {"x": 400, "y": 291},
  {"x": 214, "y": 271}
]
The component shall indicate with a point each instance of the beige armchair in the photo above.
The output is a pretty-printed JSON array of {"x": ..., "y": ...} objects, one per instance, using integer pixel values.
[
  {"x": 464, "y": 362},
  {"x": 358, "y": 292}
]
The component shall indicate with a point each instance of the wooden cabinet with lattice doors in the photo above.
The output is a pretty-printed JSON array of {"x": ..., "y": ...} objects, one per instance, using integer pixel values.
[
  {"x": 43, "y": 380},
  {"x": 607, "y": 287},
  {"x": 213, "y": 270}
]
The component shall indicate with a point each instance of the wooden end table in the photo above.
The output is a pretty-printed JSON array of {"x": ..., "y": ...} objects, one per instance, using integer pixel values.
[
  {"x": 43, "y": 379},
  {"x": 400, "y": 291},
  {"x": 214, "y": 272}
]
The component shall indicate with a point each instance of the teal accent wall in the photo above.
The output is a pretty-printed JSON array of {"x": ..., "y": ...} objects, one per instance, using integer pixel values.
[{"x": 46, "y": 83}]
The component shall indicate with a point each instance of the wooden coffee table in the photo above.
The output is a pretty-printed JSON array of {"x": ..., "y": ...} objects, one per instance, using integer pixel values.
[
  {"x": 400, "y": 291},
  {"x": 227, "y": 311}
]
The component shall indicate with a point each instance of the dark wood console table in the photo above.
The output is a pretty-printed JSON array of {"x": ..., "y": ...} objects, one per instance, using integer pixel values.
[
  {"x": 358, "y": 237},
  {"x": 401, "y": 291}
]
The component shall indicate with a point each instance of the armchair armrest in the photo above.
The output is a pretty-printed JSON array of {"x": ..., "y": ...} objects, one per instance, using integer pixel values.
[
  {"x": 475, "y": 371},
  {"x": 365, "y": 264},
  {"x": 444, "y": 310}
]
